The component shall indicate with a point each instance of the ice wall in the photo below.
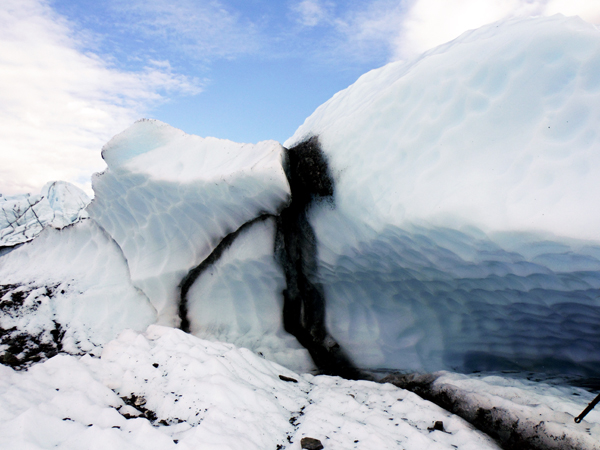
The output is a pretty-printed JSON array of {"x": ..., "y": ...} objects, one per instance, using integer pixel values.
[
  {"x": 23, "y": 217},
  {"x": 168, "y": 199},
  {"x": 238, "y": 299},
  {"x": 465, "y": 233}
]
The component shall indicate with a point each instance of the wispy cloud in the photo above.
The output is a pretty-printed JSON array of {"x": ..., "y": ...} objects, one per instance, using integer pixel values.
[
  {"x": 428, "y": 23},
  {"x": 311, "y": 13},
  {"x": 59, "y": 105},
  {"x": 400, "y": 29},
  {"x": 202, "y": 29}
]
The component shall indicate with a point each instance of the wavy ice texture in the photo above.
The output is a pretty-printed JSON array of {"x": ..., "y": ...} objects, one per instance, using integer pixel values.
[
  {"x": 23, "y": 217},
  {"x": 465, "y": 232},
  {"x": 168, "y": 198},
  {"x": 238, "y": 300},
  {"x": 76, "y": 277}
]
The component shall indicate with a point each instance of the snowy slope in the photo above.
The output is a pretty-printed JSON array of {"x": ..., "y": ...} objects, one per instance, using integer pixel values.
[
  {"x": 465, "y": 234},
  {"x": 22, "y": 217},
  {"x": 165, "y": 389},
  {"x": 168, "y": 199}
]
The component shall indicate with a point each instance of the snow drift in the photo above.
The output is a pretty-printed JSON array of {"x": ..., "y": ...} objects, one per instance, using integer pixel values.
[{"x": 67, "y": 290}]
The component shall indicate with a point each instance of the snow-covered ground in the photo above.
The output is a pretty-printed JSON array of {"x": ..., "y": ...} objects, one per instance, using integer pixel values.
[{"x": 166, "y": 389}]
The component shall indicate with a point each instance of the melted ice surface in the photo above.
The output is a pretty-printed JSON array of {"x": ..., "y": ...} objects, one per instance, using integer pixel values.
[
  {"x": 23, "y": 217},
  {"x": 168, "y": 199}
]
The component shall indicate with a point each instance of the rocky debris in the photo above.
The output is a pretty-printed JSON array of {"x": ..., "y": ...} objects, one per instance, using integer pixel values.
[
  {"x": 511, "y": 431},
  {"x": 310, "y": 181},
  {"x": 133, "y": 404},
  {"x": 20, "y": 348}
]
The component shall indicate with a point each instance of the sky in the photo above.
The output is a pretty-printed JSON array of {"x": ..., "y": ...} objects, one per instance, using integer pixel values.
[{"x": 73, "y": 73}]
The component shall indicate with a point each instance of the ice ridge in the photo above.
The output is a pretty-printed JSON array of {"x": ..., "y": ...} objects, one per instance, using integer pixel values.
[{"x": 168, "y": 199}]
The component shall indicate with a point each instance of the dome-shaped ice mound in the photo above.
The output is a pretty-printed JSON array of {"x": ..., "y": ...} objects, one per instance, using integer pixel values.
[{"x": 465, "y": 233}]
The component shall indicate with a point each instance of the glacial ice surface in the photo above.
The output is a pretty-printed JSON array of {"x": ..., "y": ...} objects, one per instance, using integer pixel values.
[
  {"x": 23, "y": 217},
  {"x": 168, "y": 199},
  {"x": 238, "y": 299},
  {"x": 465, "y": 233}
]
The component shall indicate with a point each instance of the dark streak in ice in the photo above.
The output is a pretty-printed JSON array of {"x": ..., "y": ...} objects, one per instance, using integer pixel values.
[
  {"x": 187, "y": 282},
  {"x": 296, "y": 248}
]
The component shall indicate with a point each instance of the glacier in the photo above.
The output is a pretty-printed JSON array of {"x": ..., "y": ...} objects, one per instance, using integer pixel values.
[
  {"x": 449, "y": 226},
  {"x": 436, "y": 218},
  {"x": 23, "y": 217},
  {"x": 464, "y": 234}
]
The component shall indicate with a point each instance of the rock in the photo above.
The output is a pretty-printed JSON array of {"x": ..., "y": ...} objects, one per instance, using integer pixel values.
[
  {"x": 288, "y": 379},
  {"x": 309, "y": 443},
  {"x": 438, "y": 425}
]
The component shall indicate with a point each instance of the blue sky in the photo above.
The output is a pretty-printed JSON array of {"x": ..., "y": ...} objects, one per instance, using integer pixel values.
[
  {"x": 73, "y": 73},
  {"x": 261, "y": 66}
]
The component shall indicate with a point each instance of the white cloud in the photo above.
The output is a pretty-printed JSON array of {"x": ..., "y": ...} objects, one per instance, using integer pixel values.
[
  {"x": 58, "y": 106},
  {"x": 429, "y": 23},
  {"x": 588, "y": 10},
  {"x": 200, "y": 28},
  {"x": 312, "y": 12},
  {"x": 402, "y": 29}
]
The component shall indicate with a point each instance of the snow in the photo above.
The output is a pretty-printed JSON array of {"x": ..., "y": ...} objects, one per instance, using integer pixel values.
[
  {"x": 23, "y": 217},
  {"x": 75, "y": 278},
  {"x": 465, "y": 233},
  {"x": 168, "y": 198},
  {"x": 209, "y": 395}
]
